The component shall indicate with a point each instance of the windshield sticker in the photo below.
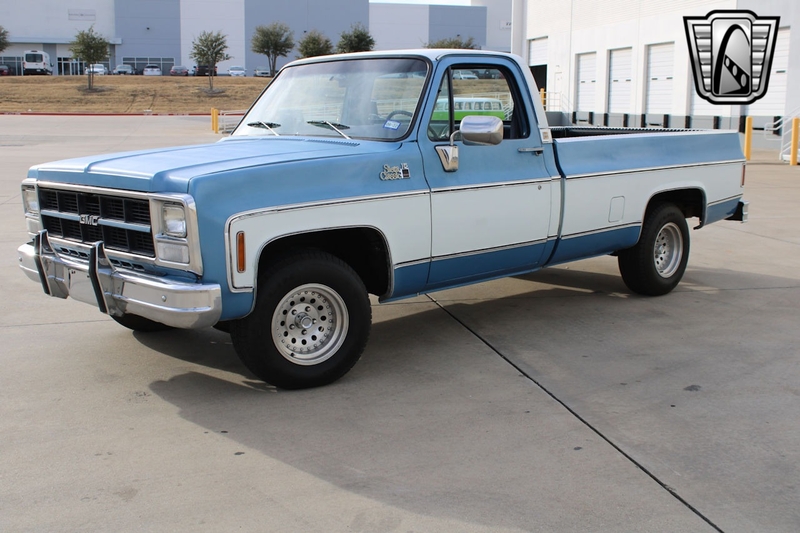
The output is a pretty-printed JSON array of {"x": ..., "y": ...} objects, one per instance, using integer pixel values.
[
  {"x": 391, "y": 125},
  {"x": 396, "y": 173}
]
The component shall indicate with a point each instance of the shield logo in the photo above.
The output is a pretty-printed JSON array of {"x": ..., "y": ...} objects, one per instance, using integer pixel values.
[{"x": 731, "y": 55}]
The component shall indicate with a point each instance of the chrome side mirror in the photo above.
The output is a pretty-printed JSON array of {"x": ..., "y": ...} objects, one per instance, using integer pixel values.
[
  {"x": 481, "y": 130},
  {"x": 475, "y": 130}
]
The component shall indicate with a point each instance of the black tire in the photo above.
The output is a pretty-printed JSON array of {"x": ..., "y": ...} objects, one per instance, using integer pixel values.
[
  {"x": 329, "y": 329},
  {"x": 656, "y": 264},
  {"x": 224, "y": 326},
  {"x": 140, "y": 323}
]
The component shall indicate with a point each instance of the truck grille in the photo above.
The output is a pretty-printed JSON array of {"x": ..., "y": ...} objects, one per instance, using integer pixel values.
[{"x": 123, "y": 224}]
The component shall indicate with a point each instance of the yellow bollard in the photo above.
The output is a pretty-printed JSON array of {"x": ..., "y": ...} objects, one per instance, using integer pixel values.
[
  {"x": 215, "y": 120},
  {"x": 795, "y": 140},
  {"x": 542, "y": 95},
  {"x": 748, "y": 137}
]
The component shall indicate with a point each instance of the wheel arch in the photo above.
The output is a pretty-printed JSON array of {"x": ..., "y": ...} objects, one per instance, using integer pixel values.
[
  {"x": 364, "y": 248},
  {"x": 690, "y": 200}
]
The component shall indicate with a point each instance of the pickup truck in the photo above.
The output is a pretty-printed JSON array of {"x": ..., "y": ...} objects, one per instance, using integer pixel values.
[{"x": 364, "y": 174}]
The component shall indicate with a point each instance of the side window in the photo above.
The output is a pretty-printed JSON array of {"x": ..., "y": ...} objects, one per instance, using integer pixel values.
[{"x": 478, "y": 90}]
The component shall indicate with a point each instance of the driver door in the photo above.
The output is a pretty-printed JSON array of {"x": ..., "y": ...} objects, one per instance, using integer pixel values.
[{"x": 491, "y": 216}]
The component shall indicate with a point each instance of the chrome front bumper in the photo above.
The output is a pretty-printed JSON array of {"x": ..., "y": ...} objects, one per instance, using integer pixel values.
[{"x": 117, "y": 292}]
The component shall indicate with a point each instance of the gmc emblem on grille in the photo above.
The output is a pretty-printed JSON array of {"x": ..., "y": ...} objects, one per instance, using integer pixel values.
[{"x": 90, "y": 219}]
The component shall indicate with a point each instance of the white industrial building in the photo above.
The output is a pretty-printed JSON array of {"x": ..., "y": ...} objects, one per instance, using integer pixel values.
[
  {"x": 627, "y": 62},
  {"x": 397, "y": 26},
  {"x": 162, "y": 31}
]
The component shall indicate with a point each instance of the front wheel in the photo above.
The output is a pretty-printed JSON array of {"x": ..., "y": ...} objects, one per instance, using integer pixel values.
[
  {"x": 310, "y": 323},
  {"x": 656, "y": 264}
]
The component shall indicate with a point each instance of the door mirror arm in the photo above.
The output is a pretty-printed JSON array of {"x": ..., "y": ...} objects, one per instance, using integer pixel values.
[{"x": 448, "y": 154}]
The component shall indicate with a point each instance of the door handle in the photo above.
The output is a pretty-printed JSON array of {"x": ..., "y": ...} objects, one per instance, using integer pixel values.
[{"x": 539, "y": 150}]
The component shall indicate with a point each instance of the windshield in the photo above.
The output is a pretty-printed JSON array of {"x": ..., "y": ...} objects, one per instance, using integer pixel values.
[{"x": 356, "y": 98}]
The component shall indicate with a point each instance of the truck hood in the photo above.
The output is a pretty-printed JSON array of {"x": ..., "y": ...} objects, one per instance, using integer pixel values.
[{"x": 171, "y": 169}]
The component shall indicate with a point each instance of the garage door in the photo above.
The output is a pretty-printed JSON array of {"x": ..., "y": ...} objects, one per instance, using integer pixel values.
[
  {"x": 774, "y": 102},
  {"x": 703, "y": 108},
  {"x": 619, "y": 80},
  {"x": 587, "y": 81},
  {"x": 660, "y": 62},
  {"x": 537, "y": 51}
]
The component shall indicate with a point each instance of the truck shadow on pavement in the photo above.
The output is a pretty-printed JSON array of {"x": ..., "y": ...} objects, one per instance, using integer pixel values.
[{"x": 431, "y": 420}]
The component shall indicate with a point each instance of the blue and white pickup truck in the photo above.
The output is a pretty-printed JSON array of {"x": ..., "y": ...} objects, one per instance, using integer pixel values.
[{"x": 374, "y": 173}]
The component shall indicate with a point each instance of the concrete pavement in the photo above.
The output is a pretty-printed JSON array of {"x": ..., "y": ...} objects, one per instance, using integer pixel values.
[{"x": 555, "y": 401}]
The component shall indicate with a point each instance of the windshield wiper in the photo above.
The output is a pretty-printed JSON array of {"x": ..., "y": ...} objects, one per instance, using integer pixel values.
[
  {"x": 332, "y": 125},
  {"x": 265, "y": 125}
]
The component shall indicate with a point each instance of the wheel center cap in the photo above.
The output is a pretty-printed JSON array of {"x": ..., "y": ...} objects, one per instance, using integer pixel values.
[{"x": 303, "y": 320}]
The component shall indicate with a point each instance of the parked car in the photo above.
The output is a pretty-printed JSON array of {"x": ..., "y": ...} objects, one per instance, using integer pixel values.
[
  {"x": 36, "y": 62},
  {"x": 464, "y": 75},
  {"x": 123, "y": 70},
  {"x": 152, "y": 70},
  {"x": 97, "y": 69},
  {"x": 179, "y": 70},
  {"x": 261, "y": 72},
  {"x": 487, "y": 73},
  {"x": 237, "y": 71},
  {"x": 4, "y": 70},
  {"x": 202, "y": 70}
]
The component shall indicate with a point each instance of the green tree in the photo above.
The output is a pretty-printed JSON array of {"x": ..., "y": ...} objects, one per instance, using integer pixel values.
[
  {"x": 454, "y": 42},
  {"x": 314, "y": 44},
  {"x": 91, "y": 47},
  {"x": 3, "y": 38},
  {"x": 274, "y": 41},
  {"x": 357, "y": 39},
  {"x": 208, "y": 48}
]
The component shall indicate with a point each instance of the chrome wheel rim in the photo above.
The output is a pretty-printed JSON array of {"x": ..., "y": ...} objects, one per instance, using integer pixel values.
[
  {"x": 310, "y": 324},
  {"x": 668, "y": 250}
]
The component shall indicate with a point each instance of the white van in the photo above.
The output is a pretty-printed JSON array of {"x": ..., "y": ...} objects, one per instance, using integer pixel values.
[{"x": 36, "y": 62}]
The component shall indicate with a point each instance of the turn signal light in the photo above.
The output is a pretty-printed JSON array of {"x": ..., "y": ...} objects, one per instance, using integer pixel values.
[{"x": 240, "y": 252}]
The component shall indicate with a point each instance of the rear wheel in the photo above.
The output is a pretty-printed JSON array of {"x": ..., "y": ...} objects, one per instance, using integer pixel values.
[
  {"x": 310, "y": 323},
  {"x": 656, "y": 264}
]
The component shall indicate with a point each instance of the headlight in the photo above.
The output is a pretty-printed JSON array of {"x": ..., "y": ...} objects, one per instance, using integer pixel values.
[
  {"x": 30, "y": 200},
  {"x": 174, "y": 219}
]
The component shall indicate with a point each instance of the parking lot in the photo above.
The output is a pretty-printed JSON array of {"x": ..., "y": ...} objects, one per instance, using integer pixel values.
[{"x": 555, "y": 401}]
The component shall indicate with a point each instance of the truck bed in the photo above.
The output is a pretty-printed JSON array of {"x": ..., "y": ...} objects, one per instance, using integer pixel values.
[
  {"x": 565, "y": 132},
  {"x": 592, "y": 151},
  {"x": 611, "y": 175}
]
